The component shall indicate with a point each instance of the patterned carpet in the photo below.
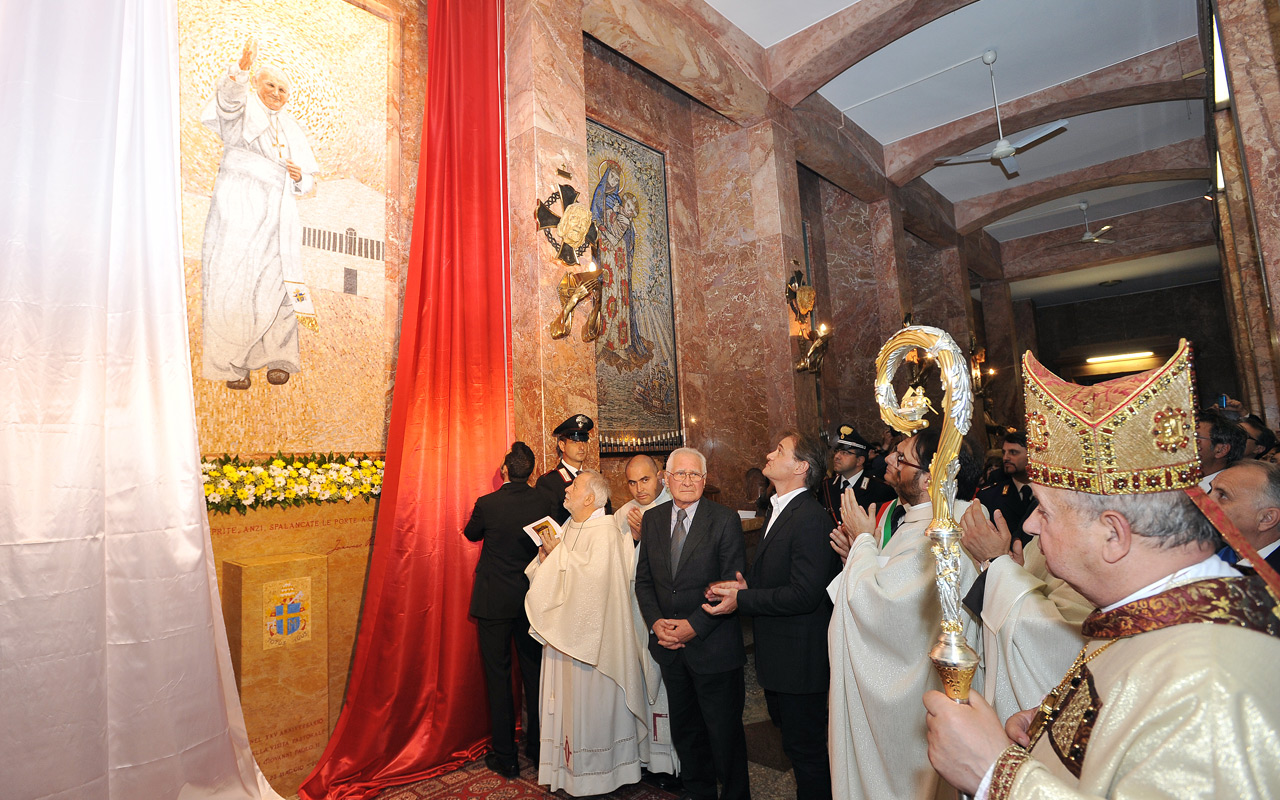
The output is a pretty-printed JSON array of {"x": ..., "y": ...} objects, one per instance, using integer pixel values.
[{"x": 474, "y": 781}]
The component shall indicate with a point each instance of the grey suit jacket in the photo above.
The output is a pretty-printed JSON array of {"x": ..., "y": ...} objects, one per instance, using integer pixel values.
[{"x": 713, "y": 551}]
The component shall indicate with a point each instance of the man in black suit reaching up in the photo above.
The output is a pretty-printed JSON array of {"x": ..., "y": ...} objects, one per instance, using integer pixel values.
[
  {"x": 785, "y": 593},
  {"x": 685, "y": 545},
  {"x": 497, "y": 602}
]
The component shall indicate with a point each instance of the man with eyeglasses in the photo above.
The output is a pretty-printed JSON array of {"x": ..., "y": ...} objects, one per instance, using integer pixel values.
[
  {"x": 783, "y": 593},
  {"x": 886, "y": 618},
  {"x": 1220, "y": 442},
  {"x": 686, "y": 545}
]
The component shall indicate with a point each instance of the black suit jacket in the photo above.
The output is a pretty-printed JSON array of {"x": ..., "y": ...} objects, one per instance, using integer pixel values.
[
  {"x": 714, "y": 550},
  {"x": 554, "y": 482},
  {"x": 866, "y": 490},
  {"x": 1004, "y": 497},
  {"x": 499, "y": 519},
  {"x": 787, "y": 596}
]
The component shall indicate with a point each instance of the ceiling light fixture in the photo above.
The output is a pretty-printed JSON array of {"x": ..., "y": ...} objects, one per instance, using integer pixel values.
[{"x": 1118, "y": 357}]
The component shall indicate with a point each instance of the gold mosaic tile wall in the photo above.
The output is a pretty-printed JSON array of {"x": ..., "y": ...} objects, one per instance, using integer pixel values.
[{"x": 354, "y": 69}]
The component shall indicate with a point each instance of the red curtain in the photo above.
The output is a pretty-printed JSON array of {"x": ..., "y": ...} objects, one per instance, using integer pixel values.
[{"x": 416, "y": 704}]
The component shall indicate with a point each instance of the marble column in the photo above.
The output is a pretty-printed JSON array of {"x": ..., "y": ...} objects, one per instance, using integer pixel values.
[
  {"x": 1004, "y": 354},
  {"x": 1247, "y": 301},
  {"x": 749, "y": 221},
  {"x": 889, "y": 254},
  {"x": 1248, "y": 48},
  {"x": 546, "y": 130},
  {"x": 1237, "y": 313},
  {"x": 848, "y": 292}
]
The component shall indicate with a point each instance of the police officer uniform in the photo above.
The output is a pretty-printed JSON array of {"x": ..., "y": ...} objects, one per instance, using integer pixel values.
[
  {"x": 556, "y": 480},
  {"x": 866, "y": 488}
]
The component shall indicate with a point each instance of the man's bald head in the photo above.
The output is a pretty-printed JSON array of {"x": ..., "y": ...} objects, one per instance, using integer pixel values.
[{"x": 643, "y": 479}]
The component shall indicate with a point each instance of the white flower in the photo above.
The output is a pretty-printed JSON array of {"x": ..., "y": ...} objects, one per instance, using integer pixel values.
[
  {"x": 324, "y": 495},
  {"x": 215, "y": 498},
  {"x": 303, "y": 471},
  {"x": 256, "y": 470},
  {"x": 224, "y": 484},
  {"x": 281, "y": 482},
  {"x": 248, "y": 501}
]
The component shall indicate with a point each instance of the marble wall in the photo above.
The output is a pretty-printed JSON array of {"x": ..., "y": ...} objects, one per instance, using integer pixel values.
[{"x": 735, "y": 224}]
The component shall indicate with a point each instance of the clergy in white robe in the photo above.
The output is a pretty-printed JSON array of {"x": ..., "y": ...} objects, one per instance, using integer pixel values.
[
  {"x": 1173, "y": 695},
  {"x": 886, "y": 618},
  {"x": 593, "y": 707},
  {"x": 647, "y": 490},
  {"x": 1030, "y": 618},
  {"x": 252, "y": 249}
]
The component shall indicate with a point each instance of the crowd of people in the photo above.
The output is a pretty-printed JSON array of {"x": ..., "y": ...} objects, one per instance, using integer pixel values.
[{"x": 1127, "y": 649}]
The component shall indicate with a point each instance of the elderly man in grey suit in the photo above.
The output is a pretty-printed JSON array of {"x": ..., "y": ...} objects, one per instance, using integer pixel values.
[{"x": 686, "y": 545}]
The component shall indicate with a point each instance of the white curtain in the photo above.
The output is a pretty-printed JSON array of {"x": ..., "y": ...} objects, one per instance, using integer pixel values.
[{"x": 115, "y": 678}]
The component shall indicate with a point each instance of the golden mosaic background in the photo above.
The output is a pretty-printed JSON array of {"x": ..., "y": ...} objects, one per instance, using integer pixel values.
[
  {"x": 338, "y": 58},
  {"x": 335, "y": 56}
]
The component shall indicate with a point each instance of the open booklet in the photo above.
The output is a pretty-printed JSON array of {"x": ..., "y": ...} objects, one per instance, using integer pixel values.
[{"x": 543, "y": 531}]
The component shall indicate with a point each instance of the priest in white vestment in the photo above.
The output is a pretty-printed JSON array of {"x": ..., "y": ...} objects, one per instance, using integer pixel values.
[
  {"x": 1030, "y": 617},
  {"x": 886, "y": 617},
  {"x": 644, "y": 481},
  {"x": 251, "y": 272},
  {"x": 1174, "y": 693},
  {"x": 592, "y": 698}
]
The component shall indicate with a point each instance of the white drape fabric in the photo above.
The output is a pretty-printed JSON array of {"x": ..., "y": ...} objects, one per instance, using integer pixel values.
[{"x": 115, "y": 677}]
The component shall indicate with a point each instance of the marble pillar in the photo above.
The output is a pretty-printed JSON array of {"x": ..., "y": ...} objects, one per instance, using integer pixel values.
[
  {"x": 1237, "y": 313},
  {"x": 1249, "y": 50},
  {"x": 846, "y": 281},
  {"x": 750, "y": 231},
  {"x": 1243, "y": 281},
  {"x": 546, "y": 131},
  {"x": 1004, "y": 354}
]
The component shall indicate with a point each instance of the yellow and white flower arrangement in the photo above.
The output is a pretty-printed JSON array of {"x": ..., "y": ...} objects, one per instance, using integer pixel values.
[{"x": 234, "y": 484}]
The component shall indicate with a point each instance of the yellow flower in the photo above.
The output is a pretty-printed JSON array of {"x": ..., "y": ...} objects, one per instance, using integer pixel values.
[
  {"x": 242, "y": 493},
  {"x": 297, "y": 465},
  {"x": 208, "y": 489},
  {"x": 277, "y": 463},
  {"x": 229, "y": 471},
  {"x": 290, "y": 494}
]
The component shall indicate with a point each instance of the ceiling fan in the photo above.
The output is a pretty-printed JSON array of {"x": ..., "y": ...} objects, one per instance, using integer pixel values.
[
  {"x": 1004, "y": 151},
  {"x": 1089, "y": 237}
]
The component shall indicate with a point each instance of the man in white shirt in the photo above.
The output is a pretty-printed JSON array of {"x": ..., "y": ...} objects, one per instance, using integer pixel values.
[
  {"x": 783, "y": 593},
  {"x": 1220, "y": 442},
  {"x": 1249, "y": 493}
]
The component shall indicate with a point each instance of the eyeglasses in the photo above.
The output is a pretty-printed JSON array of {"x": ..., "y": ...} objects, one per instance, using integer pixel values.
[
  {"x": 903, "y": 460},
  {"x": 685, "y": 476}
]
